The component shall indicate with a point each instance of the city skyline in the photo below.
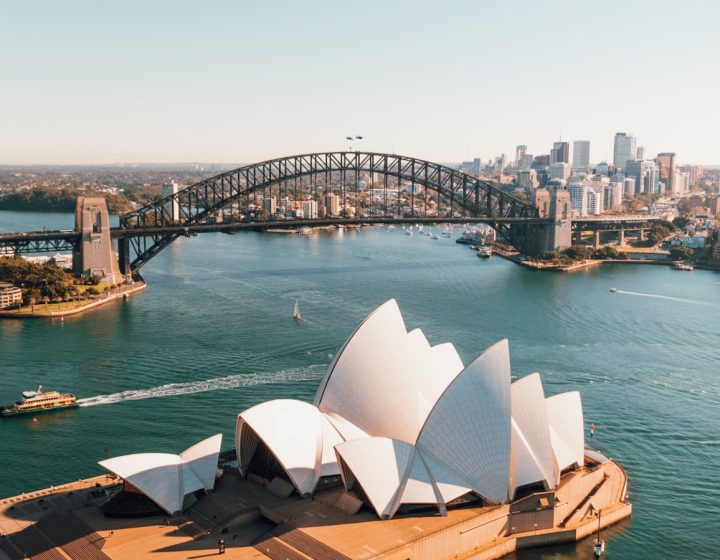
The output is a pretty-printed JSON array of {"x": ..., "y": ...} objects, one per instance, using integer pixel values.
[{"x": 174, "y": 82}]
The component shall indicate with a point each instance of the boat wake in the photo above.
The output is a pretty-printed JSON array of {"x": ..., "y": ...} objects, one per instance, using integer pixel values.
[
  {"x": 311, "y": 373},
  {"x": 669, "y": 298}
]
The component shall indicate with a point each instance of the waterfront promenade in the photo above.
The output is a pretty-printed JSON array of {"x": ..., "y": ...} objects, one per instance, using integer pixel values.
[{"x": 55, "y": 310}]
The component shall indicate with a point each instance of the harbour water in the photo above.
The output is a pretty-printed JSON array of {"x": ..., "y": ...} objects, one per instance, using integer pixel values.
[{"x": 214, "y": 334}]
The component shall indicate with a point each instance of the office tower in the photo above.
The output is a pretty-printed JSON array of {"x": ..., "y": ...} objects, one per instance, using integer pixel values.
[
  {"x": 640, "y": 154},
  {"x": 527, "y": 179},
  {"x": 578, "y": 198},
  {"x": 560, "y": 152},
  {"x": 560, "y": 170},
  {"x": 173, "y": 206},
  {"x": 581, "y": 155},
  {"x": 520, "y": 152},
  {"x": 540, "y": 162},
  {"x": 332, "y": 204},
  {"x": 310, "y": 209},
  {"x": 666, "y": 164},
  {"x": 681, "y": 182},
  {"x": 629, "y": 186},
  {"x": 613, "y": 194},
  {"x": 594, "y": 202},
  {"x": 625, "y": 149},
  {"x": 270, "y": 204},
  {"x": 602, "y": 168},
  {"x": 644, "y": 174},
  {"x": 526, "y": 162}
]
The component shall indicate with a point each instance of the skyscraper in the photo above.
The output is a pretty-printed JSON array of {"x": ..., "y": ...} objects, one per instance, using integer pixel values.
[
  {"x": 625, "y": 149},
  {"x": 666, "y": 165},
  {"x": 560, "y": 152},
  {"x": 581, "y": 155},
  {"x": 520, "y": 152},
  {"x": 644, "y": 174}
]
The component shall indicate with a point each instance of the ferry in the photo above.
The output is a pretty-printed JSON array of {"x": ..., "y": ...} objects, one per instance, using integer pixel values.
[
  {"x": 683, "y": 266},
  {"x": 484, "y": 252},
  {"x": 39, "y": 401}
]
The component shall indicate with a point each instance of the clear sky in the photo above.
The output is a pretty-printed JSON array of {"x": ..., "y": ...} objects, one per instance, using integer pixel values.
[{"x": 237, "y": 82}]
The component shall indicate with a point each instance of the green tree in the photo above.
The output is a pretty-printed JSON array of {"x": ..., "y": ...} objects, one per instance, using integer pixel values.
[
  {"x": 579, "y": 252},
  {"x": 681, "y": 253}
]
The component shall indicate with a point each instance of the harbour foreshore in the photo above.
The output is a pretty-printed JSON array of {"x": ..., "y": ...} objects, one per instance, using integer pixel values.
[
  {"x": 41, "y": 311},
  {"x": 256, "y": 524}
]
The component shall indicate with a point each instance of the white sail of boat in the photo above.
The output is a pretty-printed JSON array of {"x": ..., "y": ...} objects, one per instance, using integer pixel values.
[{"x": 296, "y": 312}]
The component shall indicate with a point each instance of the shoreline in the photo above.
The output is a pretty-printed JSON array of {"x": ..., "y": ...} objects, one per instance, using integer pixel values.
[{"x": 135, "y": 288}]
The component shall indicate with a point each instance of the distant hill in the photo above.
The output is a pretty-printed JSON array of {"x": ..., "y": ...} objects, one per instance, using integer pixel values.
[{"x": 58, "y": 200}]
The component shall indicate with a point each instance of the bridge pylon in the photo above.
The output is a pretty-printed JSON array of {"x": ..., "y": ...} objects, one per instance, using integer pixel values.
[
  {"x": 555, "y": 236},
  {"x": 94, "y": 254}
]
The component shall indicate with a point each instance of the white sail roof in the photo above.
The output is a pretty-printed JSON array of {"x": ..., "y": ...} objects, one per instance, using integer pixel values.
[
  {"x": 293, "y": 431},
  {"x": 381, "y": 466},
  {"x": 166, "y": 478},
  {"x": 533, "y": 457},
  {"x": 468, "y": 430},
  {"x": 567, "y": 431},
  {"x": 410, "y": 425},
  {"x": 385, "y": 381}
]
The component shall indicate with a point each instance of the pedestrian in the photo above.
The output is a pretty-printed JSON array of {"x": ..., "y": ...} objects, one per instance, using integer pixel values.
[
  {"x": 592, "y": 430},
  {"x": 221, "y": 546}
]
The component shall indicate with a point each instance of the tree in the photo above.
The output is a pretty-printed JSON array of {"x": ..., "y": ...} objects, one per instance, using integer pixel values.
[
  {"x": 579, "y": 252},
  {"x": 685, "y": 207},
  {"x": 681, "y": 253},
  {"x": 657, "y": 234},
  {"x": 606, "y": 252}
]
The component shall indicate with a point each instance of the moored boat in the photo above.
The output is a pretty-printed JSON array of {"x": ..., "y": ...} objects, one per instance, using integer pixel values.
[{"x": 34, "y": 402}]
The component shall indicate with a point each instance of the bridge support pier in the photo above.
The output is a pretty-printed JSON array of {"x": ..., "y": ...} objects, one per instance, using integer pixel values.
[
  {"x": 642, "y": 235},
  {"x": 621, "y": 237},
  {"x": 578, "y": 237},
  {"x": 124, "y": 256},
  {"x": 556, "y": 236},
  {"x": 596, "y": 239},
  {"x": 94, "y": 255}
]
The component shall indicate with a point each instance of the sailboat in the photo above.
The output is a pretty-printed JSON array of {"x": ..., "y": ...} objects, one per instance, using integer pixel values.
[
  {"x": 296, "y": 312},
  {"x": 599, "y": 544}
]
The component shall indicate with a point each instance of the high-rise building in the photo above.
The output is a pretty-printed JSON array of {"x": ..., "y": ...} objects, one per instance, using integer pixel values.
[
  {"x": 681, "y": 182},
  {"x": 613, "y": 194},
  {"x": 629, "y": 187},
  {"x": 526, "y": 162},
  {"x": 602, "y": 168},
  {"x": 594, "y": 202},
  {"x": 332, "y": 204},
  {"x": 310, "y": 209},
  {"x": 640, "y": 153},
  {"x": 581, "y": 155},
  {"x": 644, "y": 174},
  {"x": 560, "y": 170},
  {"x": 560, "y": 153},
  {"x": 270, "y": 204},
  {"x": 527, "y": 179},
  {"x": 520, "y": 152},
  {"x": 173, "y": 205},
  {"x": 578, "y": 198},
  {"x": 666, "y": 164},
  {"x": 625, "y": 149}
]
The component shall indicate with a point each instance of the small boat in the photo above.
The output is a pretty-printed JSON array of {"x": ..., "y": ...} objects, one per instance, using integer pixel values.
[
  {"x": 391, "y": 227},
  {"x": 408, "y": 232},
  {"x": 296, "y": 312},
  {"x": 684, "y": 266},
  {"x": 39, "y": 401},
  {"x": 304, "y": 231},
  {"x": 435, "y": 236},
  {"x": 598, "y": 543},
  {"x": 613, "y": 290}
]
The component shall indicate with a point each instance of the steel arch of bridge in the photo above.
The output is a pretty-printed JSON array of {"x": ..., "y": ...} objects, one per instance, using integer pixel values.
[{"x": 475, "y": 197}]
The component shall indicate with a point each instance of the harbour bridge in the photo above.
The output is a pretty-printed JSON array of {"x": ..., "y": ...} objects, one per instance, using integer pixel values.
[{"x": 390, "y": 196}]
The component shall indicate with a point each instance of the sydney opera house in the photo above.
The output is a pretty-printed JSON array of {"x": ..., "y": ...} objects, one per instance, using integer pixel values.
[{"x": 405, "y": 452}]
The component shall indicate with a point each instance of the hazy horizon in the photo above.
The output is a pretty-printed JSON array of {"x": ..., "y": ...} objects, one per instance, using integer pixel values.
[{"x": 170, "y": 82}]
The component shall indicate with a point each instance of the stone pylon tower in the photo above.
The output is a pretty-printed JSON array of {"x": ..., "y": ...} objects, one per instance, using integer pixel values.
[{"x": 95, "y": 255}]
